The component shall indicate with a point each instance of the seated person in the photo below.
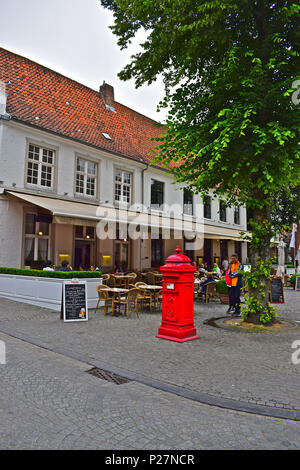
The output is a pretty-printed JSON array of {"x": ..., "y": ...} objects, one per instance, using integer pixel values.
[
  {"x": 216, "y": 269},
  {"x": 207, "y": 281},
  {"x": 48, "y": 266},
  {"x": 65, "y": 266}
]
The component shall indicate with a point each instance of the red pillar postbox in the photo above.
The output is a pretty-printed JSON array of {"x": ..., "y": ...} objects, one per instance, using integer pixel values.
[{"x": 178, "y": 299}]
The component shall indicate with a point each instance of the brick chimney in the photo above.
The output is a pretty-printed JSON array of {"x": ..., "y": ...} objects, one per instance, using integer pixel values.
[{"x": 107, "y": 93}]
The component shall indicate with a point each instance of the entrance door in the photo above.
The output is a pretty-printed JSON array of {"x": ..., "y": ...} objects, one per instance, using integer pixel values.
[
  {"x": 208, "y": 252},
  {"x": 223, "y": 249},
  {"x": 122, "y": 255},
  {"x": 82, "y": 254}
]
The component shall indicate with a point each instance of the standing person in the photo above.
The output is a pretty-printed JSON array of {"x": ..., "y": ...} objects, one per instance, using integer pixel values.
[{"x": 234, "y": 283}]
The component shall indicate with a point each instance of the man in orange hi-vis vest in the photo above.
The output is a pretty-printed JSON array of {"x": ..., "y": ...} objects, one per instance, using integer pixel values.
[{"x": 234, "y": 282}]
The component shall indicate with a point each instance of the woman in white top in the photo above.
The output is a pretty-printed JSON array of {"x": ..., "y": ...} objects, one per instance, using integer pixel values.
[{"x": 48, "y": 266}]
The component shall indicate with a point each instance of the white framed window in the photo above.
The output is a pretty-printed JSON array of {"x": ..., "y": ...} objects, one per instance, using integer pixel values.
[
  {"x": 86, "y": 177},
  {"x": 157, "y": 194},
  {"x": 40, "y": 166},
  {"x": 237, "y": 216},
  {"x": 188, "y": 202},
  {"x": 123, "y": 186},
  {"x": 36, "y": 238}
]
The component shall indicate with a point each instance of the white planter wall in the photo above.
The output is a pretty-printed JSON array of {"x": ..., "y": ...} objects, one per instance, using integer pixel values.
[{"x": 42, "y": 291}]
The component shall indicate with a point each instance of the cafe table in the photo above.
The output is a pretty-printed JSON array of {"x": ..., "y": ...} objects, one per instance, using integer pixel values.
[
  {"x": 123, "y": 279},
  {"x": 116, "y": 293},
  {"x": 155, "y": 290}
]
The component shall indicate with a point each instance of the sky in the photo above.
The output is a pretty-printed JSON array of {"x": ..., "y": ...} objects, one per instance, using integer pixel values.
[{"x": 73, "y": 38}]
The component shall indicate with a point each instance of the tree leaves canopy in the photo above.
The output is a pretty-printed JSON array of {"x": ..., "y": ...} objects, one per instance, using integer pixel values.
[{"x": 228, "y": 67}]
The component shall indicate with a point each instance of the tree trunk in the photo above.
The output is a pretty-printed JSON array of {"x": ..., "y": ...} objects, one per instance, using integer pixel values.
[{"x": 258, "y": 306}]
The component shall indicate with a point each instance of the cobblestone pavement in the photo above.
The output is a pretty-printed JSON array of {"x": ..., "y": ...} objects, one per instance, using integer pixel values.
[
  {"x": 48, "y": 401},
  {"x": 255, "y": 368}
]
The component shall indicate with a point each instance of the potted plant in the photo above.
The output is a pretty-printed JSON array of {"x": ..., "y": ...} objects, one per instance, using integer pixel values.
[
  {"x": 222, "y": 291},
  {"x": 293, "y": 280}
]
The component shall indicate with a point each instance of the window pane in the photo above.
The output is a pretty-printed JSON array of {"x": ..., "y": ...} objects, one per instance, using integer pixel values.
[
  {"x": 118, "y": 175},
  {"x": 78, "y": 231},
  {"x": 91, "y": 168},
  {"x": 118, "y": 189},
  {"x": 207, "y": 207},
  {"x": 237, "y": 215},
  {"x": 223, "y": 212},
  {"x": 79, "y": 184},
  {"x": 126, "y": 177},
  {"x": 28, "y": 251},
  {"x": 157, "y": 193},
  {"x": 46, "y": 176},
  {"x": 90, "y": 186},
  {"x": 187, "y": 202},
  {"x": 44, "y": 228},
  {"x": 34, "y": 152},
  {"x": 30, "y": 224},
  {"x": 80, "y": 165},
  {"x": 32, "y": 173},
  {"x": 47, "y": 156},
  {"x": 43, "y": 249},
  {"x": 90, "y": 232},
  {"x": 126, "y": 193}
]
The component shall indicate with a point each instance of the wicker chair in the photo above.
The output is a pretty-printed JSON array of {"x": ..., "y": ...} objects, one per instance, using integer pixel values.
[
  {"x": 103, "y": 296},
  {"x": 130, "y": 300},
  {"x": 111, "y": 281},
  {"x": 105, "y": 278},
  {"x": 211, "y": 291},
  {"x": 150, "y": 279},
  {"x": 145, "y": 297},
  {"x": 132, "y": 280}
]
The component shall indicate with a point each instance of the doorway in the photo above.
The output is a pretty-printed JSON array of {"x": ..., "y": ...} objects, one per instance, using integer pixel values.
[
  {"x": 208, "y": 252},
  {"x": 83, "y": 254}
]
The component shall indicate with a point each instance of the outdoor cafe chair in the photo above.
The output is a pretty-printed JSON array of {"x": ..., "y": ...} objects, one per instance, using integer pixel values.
[
  {"x": 103, "y": 296},
  {"x": 130, "y": 300},
  {"x": 150, "y": 279},
  {"x": 145, "y": 297},
  {"x": 111, "y": 281},
  {"x": 211, "y": 291},
  {"x": 105, "y": 278}
]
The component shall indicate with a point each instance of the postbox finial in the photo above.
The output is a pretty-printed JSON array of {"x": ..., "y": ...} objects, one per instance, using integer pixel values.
[{"x": 178, "y": 249}]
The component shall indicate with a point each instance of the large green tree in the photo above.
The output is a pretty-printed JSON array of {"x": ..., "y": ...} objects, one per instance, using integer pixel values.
[{"x": 230, "y": 69}]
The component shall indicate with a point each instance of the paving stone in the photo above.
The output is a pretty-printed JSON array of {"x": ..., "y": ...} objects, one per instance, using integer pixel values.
[{"x": 48, "y": 400}]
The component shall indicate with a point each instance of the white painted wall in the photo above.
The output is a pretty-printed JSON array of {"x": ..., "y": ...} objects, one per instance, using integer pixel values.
[
  {"x": 11, "y": 233},
  {"x": 14, "y": 138}
]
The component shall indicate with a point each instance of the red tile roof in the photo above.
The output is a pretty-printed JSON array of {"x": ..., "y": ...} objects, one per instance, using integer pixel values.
[{"x": 71, "y": 109}]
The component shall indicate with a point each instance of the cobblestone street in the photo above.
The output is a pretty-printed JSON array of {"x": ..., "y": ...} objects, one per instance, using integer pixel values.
[{"x": 48, "y": 401}]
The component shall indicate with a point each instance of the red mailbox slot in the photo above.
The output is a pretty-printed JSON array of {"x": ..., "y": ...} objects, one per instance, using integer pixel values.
[{"x": 178, "y": 299}]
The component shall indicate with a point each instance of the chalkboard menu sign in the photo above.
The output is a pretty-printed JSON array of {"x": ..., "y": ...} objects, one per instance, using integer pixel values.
[
  {"x": 276, "y": 290},
  {"x": 297, "y": 285},
  {"x": 75, "y": 301}
]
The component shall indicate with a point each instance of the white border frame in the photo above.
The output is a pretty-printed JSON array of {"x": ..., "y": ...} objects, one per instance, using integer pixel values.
[{"x": 73, "y": 281}]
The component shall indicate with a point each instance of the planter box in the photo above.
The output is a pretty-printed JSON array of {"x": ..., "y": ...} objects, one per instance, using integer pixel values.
[
  {"x": 224, "y": 298},
  {"x": 42, "y": 291}
]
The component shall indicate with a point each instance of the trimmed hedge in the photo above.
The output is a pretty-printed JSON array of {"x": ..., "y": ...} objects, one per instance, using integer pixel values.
[{"x": 52, "y": 274}]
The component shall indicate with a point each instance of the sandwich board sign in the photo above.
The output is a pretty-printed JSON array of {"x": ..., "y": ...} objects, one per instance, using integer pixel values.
[
  {"x": 276, "y": 290},
  {"x": 75, "y": 300}
]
